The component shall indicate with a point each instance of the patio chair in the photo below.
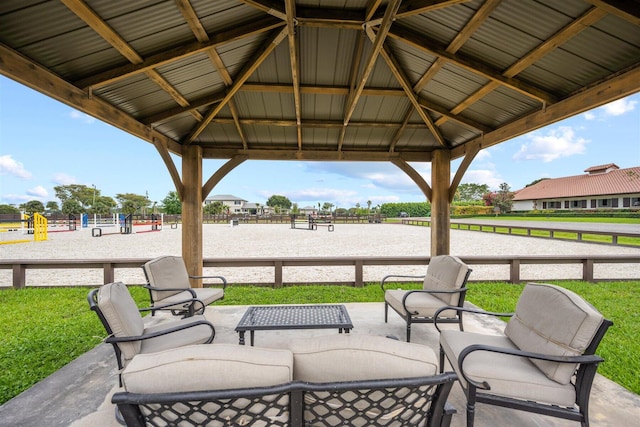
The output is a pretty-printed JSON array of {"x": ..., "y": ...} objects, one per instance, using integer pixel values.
[
  {"x": 169, "y": 287},
  {"x": 128, "y": 334},
  {"x": 444, "y": 285},
  {"x": 545, "y": 363}
]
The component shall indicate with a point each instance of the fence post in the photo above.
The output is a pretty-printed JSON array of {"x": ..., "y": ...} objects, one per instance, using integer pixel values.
[
  {"x": 587, "y": 270},
  {"x": 359, "y": 274},
  {"x": 514, "y": 273},
  {"x": 278, "y": 274},
  {"x": 19, "y": 276}
]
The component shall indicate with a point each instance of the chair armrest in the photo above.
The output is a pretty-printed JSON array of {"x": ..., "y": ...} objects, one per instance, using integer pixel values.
[
  {"x": 112, "y": 339},
  {"x": 583, "y": 359},
  {"x": 153, "y": 288},
  {"x": 384, "y": 279},
  {"x": 192, "y": 302},
  {"x": 467, "y": 310},
  {"x": 224, "y": 281}
]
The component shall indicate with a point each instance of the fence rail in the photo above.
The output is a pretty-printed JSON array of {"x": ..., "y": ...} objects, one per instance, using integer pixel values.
[
  {"x": 519, "y": 230},
  {"x": 108, "y": 266}
]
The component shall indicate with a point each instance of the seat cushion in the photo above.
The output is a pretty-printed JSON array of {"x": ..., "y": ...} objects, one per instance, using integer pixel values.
[
  {"x": 508, "y": 376},
  {"x": 121, "y": 313},
  {"x": 207, "y": 367},
  {"x": 198, "y": 334},
  {"x": 419, "y": 304},
  {"x": 206, "y": 295},
  {"x": 350, "y": 357},
  {"x": 553, "y": 320},
  {"x": 446, "y": 273}
]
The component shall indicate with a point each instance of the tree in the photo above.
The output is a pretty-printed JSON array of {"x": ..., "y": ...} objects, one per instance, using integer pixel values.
[
  {"x": 8, "y": 209},
  {"x": 277, "y": 201},
  {"x": 369, "y": 205},
  {"x": 52, "y": 207},
  {"x": 33, "y": 206},
  {"x": 471, "y": 191},
  {"x": 215, "y": 208},
  {"x": 80, "y": 193},
  {"x": 172, "y": 204},
  {"x": 326, "y": 207},
  {"x": 504, "y": 198},
  {"x": 535, "y": 182},
  {"x": 132, "y": 203},
  {"x": 71, "y": 206},
  {"x": 103, "y": 205}
]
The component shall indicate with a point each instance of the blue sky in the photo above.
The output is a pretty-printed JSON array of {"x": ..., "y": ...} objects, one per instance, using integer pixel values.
[{"x": 44, "y": 143}]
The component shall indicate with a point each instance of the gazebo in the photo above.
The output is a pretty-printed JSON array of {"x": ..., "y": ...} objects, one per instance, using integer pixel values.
[{"x": 323, "y": 80}]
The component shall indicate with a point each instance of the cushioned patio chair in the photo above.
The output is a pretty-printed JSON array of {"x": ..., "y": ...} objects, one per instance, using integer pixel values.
[
  {"x": 443, "y": 285},
  {"x": 128, "y": 334},
  {"x": 169, "y": 287},
  {"x": 545, "y": 363}
]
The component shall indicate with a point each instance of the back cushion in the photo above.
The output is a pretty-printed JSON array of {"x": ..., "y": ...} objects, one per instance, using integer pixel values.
[
  {"x": 445, "y": 272},
  {"x": 122, "y": 315},
  {"x": 553, "y": 320},
  {"x": 166, "y": 272},
  {"x": 207, "y": 367},
  {"x": 349, "y": 357}
]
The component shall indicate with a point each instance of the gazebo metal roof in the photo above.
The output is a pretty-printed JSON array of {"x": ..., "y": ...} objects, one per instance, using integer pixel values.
[{"x": 324, "y": 79}]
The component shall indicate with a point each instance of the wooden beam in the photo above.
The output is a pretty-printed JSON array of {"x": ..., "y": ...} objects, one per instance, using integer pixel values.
[
  {"x": 221, "y": 173},
  {"x": 414, "y": 175},
  {"x": 608, "y": 90},
  {"x": 353, "y": 78},
  {"x": 31, "y": 74},
  {"x": 627, "y": 10},
  {"x": 322, "y": 124},
  {"x": 425, "y": 44},
  {"x": 290, "y": 9},
  {"x": 271, "y": 7},
  {"x": 228, "y": 81},
  {"x": 260, "y": 56},
  {"x": 385, "y": 26},
  {"x": 404, "y": 82},
  {"x": 472, "y": 25},
  {"x": 192, "y": 19},
  {"x": 171, "y": 166},
  {"x": 165, "y": 57},
  {"x": 468, "y": 158},
  {"x": 317, "y": 155},
  {"x": 416, "y": 7}
]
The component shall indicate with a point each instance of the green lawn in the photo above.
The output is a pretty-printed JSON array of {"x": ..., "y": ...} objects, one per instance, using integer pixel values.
[{"x": 41, "y": 330}]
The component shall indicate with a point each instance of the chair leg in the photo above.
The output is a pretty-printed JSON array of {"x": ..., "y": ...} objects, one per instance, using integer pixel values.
[
  {"x": 460, "y": 324},
  {"x": 471, "y": 405},
  {"x": 441, "y": 360},
  {"x": 408, "y": 330},
  {"x": 386, "y": 312}
]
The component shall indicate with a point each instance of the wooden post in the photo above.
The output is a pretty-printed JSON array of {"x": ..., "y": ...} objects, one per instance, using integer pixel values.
[
  {"x": 192, "y": 212},
  {"x": 440, "y": 205}
]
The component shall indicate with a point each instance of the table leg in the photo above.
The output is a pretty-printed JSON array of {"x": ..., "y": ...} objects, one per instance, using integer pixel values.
[
  {"x": 252, "y": 332},
  {"x": 241, "y": 334}
]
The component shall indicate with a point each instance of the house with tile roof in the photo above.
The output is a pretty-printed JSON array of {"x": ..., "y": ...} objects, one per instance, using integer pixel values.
[{"x": 601, "y": 187}]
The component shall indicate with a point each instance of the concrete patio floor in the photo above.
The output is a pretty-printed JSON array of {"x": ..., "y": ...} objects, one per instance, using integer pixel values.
[{"x": 79, "y": 394}]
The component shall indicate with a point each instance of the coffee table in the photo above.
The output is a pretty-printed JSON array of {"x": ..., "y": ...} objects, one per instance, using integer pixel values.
[{"x": 280, "y": 317}]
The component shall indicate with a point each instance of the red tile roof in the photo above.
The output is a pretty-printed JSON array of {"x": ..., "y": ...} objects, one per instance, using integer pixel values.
[{"x": 616, "y": 181}]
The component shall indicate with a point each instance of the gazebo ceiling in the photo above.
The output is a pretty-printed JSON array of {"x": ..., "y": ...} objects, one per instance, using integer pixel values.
[{"x": 324, "y": 79}]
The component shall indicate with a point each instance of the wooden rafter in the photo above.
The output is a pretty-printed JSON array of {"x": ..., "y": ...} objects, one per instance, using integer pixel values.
[
  {"x": 572, "y": 29},
  {"x": 201, "y": 34},
  {"x": 290, "y": 8},
  {"x": 385, "y": 26},
  {"x": 416, "y": 7},
  {"x": 257, "y": 26},
  {"x": 627, "y": 10},
  {"x": 433, "y": 47},
  {"x": 264, "y": 52},
  {"x": 413, "y": 98}
]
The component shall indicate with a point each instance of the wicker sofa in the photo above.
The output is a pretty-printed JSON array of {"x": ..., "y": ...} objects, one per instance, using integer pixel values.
[{"x": 327, "y": 381}]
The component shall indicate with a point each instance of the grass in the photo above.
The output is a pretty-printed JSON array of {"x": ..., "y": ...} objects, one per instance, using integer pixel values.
[{"x": 41, "y": 330}]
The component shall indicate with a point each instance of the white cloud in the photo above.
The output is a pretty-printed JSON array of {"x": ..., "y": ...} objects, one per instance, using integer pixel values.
[
  {"x": 619, "y": 107},
  {"x": 589, "y": 115},
  {"x": 16, "y": 198},
  {"x": 38, "y": 191},
  {"x": 557, "y": 143},
  {"x": 63, "y": 179},
  {"x": 484, "y": 176},
  {"x": 85, "y": 118},
  {"x": 9, "y": 166}
]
